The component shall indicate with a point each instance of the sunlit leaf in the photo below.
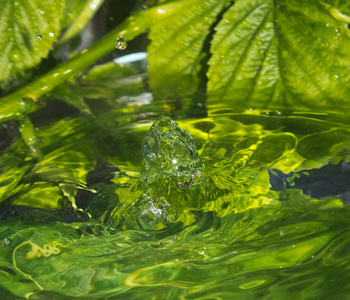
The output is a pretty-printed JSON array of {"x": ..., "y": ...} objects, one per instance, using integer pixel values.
[
  {"x": 280, "y": 54},
  {"x": 175, "y": 53},
  {"x": 27, "y": 29}
]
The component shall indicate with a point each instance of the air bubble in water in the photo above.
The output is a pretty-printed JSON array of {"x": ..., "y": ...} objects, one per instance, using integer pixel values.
[
  {"x": 39, "y": 37},
  {"x": 121, "y": 43},
  {"x": 7, "y": 242}
]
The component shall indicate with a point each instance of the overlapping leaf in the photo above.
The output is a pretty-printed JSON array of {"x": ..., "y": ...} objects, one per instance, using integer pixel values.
[
  {"x": 27, "y": 29},
  {"x": 280, "y": 54},
  {"x": 265, "y": 54},
  {"x": 176, "y": 49}
]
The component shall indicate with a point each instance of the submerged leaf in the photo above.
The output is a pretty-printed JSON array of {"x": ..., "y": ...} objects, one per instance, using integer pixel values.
[{"x": 280, "y": 54}]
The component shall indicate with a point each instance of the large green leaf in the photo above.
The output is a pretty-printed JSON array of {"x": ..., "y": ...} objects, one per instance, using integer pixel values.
[
  {"x": 27, "y": 30},
  {"x": 280, "y": 54},
  {"x": 176, "y": 52}
]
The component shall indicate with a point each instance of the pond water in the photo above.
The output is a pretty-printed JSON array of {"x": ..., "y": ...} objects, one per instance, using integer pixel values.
[{"x": 229, "y": 205}]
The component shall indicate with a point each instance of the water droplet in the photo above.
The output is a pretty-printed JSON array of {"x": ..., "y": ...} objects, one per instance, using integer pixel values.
[
  {"x": 327, "y": 24},
  {"x": 7, "y": 242},
  {"x": 51, "y": 34},
  {"x": 41, "y": 11},
  {"x": 121, "y": 43},
  {"x": 336, "y": 76},
  {"x": 15, "y": 55},
  {"x": 39, "y": 37}
]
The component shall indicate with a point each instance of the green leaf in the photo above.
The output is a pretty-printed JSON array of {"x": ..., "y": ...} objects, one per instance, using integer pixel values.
[
  {"x": 280, "y": 55},
  {"x": 41, "y": 195},
  {"x": 27, "y": 29},
  {"x": 79, "y": 12},
  {"x": 175, "y": 53},
  {"x": 340, "y": 9}
]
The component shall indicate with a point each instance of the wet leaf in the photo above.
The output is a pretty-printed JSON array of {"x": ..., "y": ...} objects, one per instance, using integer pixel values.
[
  {"x": 28, "y": 30},
  {"x": 280, "y": 54},
  {"x": 175, "y": 53}
]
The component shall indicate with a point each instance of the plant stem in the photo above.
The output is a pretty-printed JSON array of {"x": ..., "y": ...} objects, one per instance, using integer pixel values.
[{"x": 24, "y": 101}]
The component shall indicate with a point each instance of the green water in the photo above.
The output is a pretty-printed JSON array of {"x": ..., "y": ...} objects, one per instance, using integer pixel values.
[{"x": 228, "y": 235}]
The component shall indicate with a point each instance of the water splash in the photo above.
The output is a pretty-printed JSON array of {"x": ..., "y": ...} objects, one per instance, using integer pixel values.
[{"x": 170, "y": 151}]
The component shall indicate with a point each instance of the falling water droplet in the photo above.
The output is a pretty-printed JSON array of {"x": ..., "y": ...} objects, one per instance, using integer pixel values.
[
  {"x": 336, "y": 76},
  {"x": 121, "y": 43},
  {"x": 7, "y": 242},
  {"x": 39, "y": 37}
]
